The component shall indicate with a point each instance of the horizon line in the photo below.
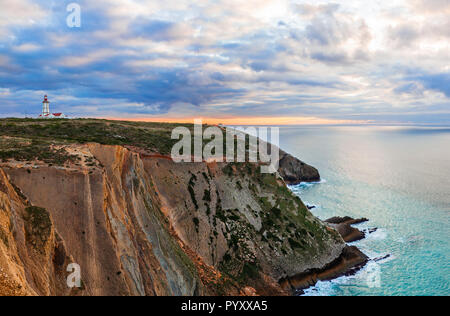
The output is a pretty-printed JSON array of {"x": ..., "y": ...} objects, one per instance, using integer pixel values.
[
  {"x": 254, "y": 121},
  {"x": 244, "y": 121}
]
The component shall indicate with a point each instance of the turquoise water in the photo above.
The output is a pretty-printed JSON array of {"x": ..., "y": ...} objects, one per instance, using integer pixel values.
[{"x": 399, "y": 178}]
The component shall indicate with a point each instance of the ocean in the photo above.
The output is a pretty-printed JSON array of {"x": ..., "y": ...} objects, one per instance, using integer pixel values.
[{"x": 399, "y": 178}]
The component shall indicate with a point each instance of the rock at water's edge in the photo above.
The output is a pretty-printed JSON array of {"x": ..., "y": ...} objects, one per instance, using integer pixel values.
[
  {"x": 295, "y": 171},
  {"x": 344, "y": 227},
  {"x": 350, "y": 261},
  {"x": 349, "y": 233},
  {"x": 346, "y": 220}
]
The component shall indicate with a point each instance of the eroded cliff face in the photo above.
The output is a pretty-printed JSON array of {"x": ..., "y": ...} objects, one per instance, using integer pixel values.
[
  {"x": 140, "y": 224},
  {"x": 32, "y": 256}
]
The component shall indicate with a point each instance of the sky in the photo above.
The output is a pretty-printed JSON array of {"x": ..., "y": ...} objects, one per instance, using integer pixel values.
[{"x": 252, "y": 61}]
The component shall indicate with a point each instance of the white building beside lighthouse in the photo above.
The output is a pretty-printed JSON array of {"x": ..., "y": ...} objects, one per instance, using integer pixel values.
[{"x": 46, "y": 111}]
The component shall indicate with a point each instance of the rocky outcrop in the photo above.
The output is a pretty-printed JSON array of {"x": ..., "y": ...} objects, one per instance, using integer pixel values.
[
  {"x": 344, "y": 227},
  {"x": 295, "y": 171},
  {"x": 349, "y": 262},
  {"x": 349, "y": 233},
  {"x": 291, "y": 169},
  {"x": 346, "y": 220}
]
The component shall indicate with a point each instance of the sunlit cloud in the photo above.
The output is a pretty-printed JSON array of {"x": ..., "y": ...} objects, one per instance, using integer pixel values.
[{"x": 289, "y": 61}]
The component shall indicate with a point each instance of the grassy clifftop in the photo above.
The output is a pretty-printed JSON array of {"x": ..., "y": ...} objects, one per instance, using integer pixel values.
[
  {"x": 43, "y": 140},
  {"x": 28, "y": 139}
]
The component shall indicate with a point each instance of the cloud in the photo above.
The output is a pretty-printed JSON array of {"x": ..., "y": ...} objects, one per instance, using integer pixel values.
[
  {"x": 227, "y": 58},
  {"x": 410, "y": 34},
  {"x": 309, "y": 10},
  {"x": 410, "y": 88},
  {"x": 332, "y": 35},
  {"x": 26, "y": 48},
  {"x": 438, "y": 82},
  {"x": 404, "y": 35},
  {"x": 158, "y": 30},
  {"x": 425, "y": 25},
  {"x": 19, "y": 13},
  {"x": 431, "y": 6}
]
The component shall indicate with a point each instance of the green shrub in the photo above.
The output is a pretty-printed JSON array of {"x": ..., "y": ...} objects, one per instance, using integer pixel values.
[
  {"x": 196, "y": 223},
  {"x": 207, "y": 196},
  {"x": 38, "y": 226},
  {"x": 4, "y": 237}
]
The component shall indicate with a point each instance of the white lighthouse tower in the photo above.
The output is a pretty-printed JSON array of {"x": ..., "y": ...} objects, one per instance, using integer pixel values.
[{"x": 45, "y": 107}]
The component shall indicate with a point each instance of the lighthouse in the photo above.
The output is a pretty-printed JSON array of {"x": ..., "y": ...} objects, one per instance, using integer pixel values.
[
  {"x": 46, "y": 111},
  {"x": 45, "y": 107}
]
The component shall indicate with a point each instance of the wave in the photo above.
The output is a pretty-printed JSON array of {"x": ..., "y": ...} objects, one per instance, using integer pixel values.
[
  {"x": 379, "y": 234},
  {"x": 367, "y": 279},
  {"x": 310, "y": 184},
  {"x": 299, "y": 188}
]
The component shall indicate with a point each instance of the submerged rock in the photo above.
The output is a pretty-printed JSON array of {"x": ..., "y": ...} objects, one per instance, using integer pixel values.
[{"x": 382, "y": 258}]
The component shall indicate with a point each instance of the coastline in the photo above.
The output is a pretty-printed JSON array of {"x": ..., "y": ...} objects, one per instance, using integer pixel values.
[{"x": 351, "y": 260}]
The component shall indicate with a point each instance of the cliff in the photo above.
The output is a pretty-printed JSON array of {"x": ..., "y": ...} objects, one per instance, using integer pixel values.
[{"x": 139, "y": 224}]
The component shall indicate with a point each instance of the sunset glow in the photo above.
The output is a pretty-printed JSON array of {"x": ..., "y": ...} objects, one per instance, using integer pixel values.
[{"x": 248, "y": 120}]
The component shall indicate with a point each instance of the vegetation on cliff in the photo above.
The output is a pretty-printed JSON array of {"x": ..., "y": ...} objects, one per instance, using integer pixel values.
[
  {"x": 287, "y": 228},
  {"x": 38, "y": 227},
  {"x": 33, "y": 136}
]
